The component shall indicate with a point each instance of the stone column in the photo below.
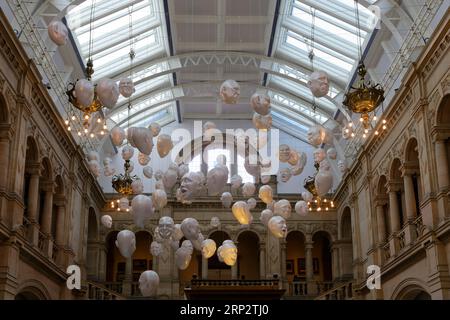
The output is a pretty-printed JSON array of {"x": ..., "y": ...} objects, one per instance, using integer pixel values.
[
  {"x": 4, "y": 156},
  {"x": 61, "y": 214},
  {"x": 309, "y": 267},
  {"x": 335, "y": 261},
  {"x": 283, "y": 257},
  {"x": 33, "y": 200},
  {"x": 441, "y": 164},
  {"x": 381, "y": 225},
  {"x": 262, "y": 261},
  {"x": 234, "y": 272},
  {"x": 128, "y": 278},
  {"x": 48, "y": 208},
  {"x": 394, "y": 212},
  {"x": 410, "y": 198},
  {"x": 204, "y": 268}
]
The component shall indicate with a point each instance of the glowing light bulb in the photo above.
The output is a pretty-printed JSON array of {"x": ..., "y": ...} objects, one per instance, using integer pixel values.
[
  {"x": 352, "y": 135},
  {"x": 69, "y": 128},
  {"x": 128, "y": 210},
  {"x": 326, "y": 209},
  {"x": 377, "y": 133},
  {"x": 361, "y": 119},
  {"x": 347, "y": 131},
  {"x": 364, "y": 136},
  {"x": 73, "y": 118},
  {"x": 384, "y": 121},
  {"x": 366, "y": 131},
  {"x": 66, "y": 122},
  {"x": 118, "y": 201},
  {"x": 92, "y": 135},
  {"x": 118, "y": 209},
  {"x": 350, "y": 124},
  {"x": 105, "y": 127},
  {"x": 310, "y": 209},
  {"x": 319, "y": 209},
  {"x": 384, "y": 127},
  {"x": 315, "y": 201},
  {"x": 85, "y": 130},
  {"x": 99, "y": 120},
  {"x": 102, "y": 132},
  {"x": 79, "y": 133},
  {"x": 325, "y": 200},
  {"x": 86, "y": 117}
]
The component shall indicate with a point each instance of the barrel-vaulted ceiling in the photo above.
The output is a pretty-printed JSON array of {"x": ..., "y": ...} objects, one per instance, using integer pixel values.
[{"x": 186, "y": 48}]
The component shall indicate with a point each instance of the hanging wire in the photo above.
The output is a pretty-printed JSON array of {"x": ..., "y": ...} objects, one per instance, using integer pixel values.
[
  {"x": 311, "y": 53},
  {"x": 132, "y": 56},
  {"x": 91, "y": 40},
  {"x": 358, "y": 27}
]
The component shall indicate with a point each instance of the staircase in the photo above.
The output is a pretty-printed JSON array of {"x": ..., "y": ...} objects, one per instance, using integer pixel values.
[{"x": 341, "y": 292}]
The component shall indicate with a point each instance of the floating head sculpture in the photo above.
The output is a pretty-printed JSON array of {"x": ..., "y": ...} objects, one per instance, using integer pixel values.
[
  {"x": 208, "y": 248},
  {"x": 318, "y": 84},
  {"x": 316, "y": 135},
  {"x": 164, "y": 145},
  {"x": 277, "y": 226},
  {"x": 260, "y": 103},
  {"x": 149, "y": 283},
  {"x": 159, "y": 198},
  {"x": 226, "y": 199},
  {"x": 266, "y": 194},
  {"x": 106, "y": 221},
  {"x": 266, "y": 214},
  {"x": 126, "y": 87},
  {"x": 166, "y": 227},
  {"x": 190, "y": 228},
  {"x": 242, "y": 213},
  {"x": 142, "y": 209},
  {"x": 284, "y": 153},
  {"x": 84, "y": 92},
  {"x": 117, "y": 136},
  {"x": 248, "y": 189},
  {"x": 107, "y": 92},
  {"x": 126, "y": 243},
  {"x": 301, "y": 208},
  {"x": 155, "y": 128},
  {"x": 230, "y": 91},
  {"x": 227, "y": 252},
  {"x": 148, "y": 172},
  {"x": 283, "y": 208},
  {"x": 57, "y": 31}
]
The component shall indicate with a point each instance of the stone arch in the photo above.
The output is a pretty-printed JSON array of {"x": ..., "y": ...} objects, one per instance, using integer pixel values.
[
  {"x": 32, "y": 151},
  {"x": 295, "y": 255},
  {"x": 394, "y": 171},
  {"x": 249, "y": 230},
  {"x": 32, "y": 290},
  {"x": 443, "y": 112},
  {"x": 111, "y": 253},
  {"x": 324, "y": 232},
  {"x": 322, "y": 242},
  {"x": 345, "y": 227},
  {"x": 4, "y": 110},
  {"x": 47, "y": 169},
  {"x": 216, "y": 269},
  {"x": 411, "y": 289},
  {"x": 92, "y": 225},
  {"x": 248, "y": 243},
  {"x": 396, "y": 185},
  {"x": 382, "y": 197}
]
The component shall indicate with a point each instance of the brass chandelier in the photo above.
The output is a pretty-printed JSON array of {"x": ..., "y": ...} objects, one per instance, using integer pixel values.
[
  {"x": 366, "y": 97},
  {"x": 122, "y": 182},
  {"x": 317, "y": 203}
]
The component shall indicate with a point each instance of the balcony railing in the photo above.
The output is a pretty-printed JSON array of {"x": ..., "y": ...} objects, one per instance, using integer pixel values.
[
  {"x": 97, "y": 291},
  {"x": 298, "y": 288},
  {"x": 341, "y": 292}
]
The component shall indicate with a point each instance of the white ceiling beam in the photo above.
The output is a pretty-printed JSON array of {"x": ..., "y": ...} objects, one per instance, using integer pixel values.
[
  {"x": 211, "y": 46},
  {"x": 204, "y": 19}
]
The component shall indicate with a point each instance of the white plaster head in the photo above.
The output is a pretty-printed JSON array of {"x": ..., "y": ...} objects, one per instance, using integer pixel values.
[
  {"x": 296, "y": 170},
  {"x": 190, "y": 228},
  {"x": 170, "y": 178},
  {"x": 301, "y": 208},
  {"x": 148, "y": 172},
  {"x": 94, "y": 166},
  {"x": 294, "y": 158},
  {"x": 182, "y": 258},
  {"x": 106, "y": 221},
  {"x": 316, "y": 135},
  {"x": 251, "y": 203},
  {"x": 260, "y": 103},
  {"x": 126, "y": 87},
  {"x": 236, "y": 181},
  {"x": 216, "y": 179},
  {"x": 143, "y": 159},
  {"x": 209, "y": 129},
  {"x": 142, "y": 209},
  {"x": 155, "y": 128},
  {"x": 318, "y": 84},
  {"x": 284, "y": 153},
  {"x": 117, "y": 136},
  {"x": 208, "y": 248},
  {"x": 215, "y": 222},
  {"x": 149, "y": 283},
  {"x": 283, "y": 208},
  {"x": 262, "y": 122},
  {"x": 158, "y": 174},
  {"x": 226, "y": 199},
  {"x": 190, "y": 186},
  {"x": 324, "y": 179},
  {"x": 109, "y": 171},
  {"x": 319, "y": 155},
  {"x": 342, "y": 165},
  {"x": 265, "y": 179},
  {"x": 242, "y": 213},
  {"x": 277, "y": 226},
  {"x": 230, "y": 91},
  {"x": 285, "y": 174},
  {"x": 324, "y": 166},
  {"x": 107, "y": 92},
  {"x": 84, "y": 92},
  {"x": 307, "y": 196},
  {"x": 159, "y": 198},
  {"x": 124, "y": 204},
  {"x": 175, "y": 244},
  {"x": 164, "y": 145},
  {"x": 182, "y": 170},
  {"x": 166, "y": 227},
  {"x": 266, "y": 194},
  {"x": 156, "y": 248},
  {"x": 137, "y": 186},
  {"x": 248, "y": 189},
  {"x": 332, "y": 153},
  {"x": 93, "y": 155},
  {"x": 187, "y": 246},
  {"x": 197, "y": 243},
  {"x": 126, "y": 243},
  {"x": 141, "y": 138},
  {"x": 177, "y": 234},
  {"x": 127, "y": 152},
  {"x": 266, "y": 214},
  {"x": 227, "y": 252},
  {"x": 57, "y": 31}
]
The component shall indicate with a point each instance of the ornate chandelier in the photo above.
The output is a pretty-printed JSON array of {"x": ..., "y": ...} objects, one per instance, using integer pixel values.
[
  {"x": 365, "y": 98},
  {"x": 317, "y": 203},
  {"x": 122, "y": 182}
]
